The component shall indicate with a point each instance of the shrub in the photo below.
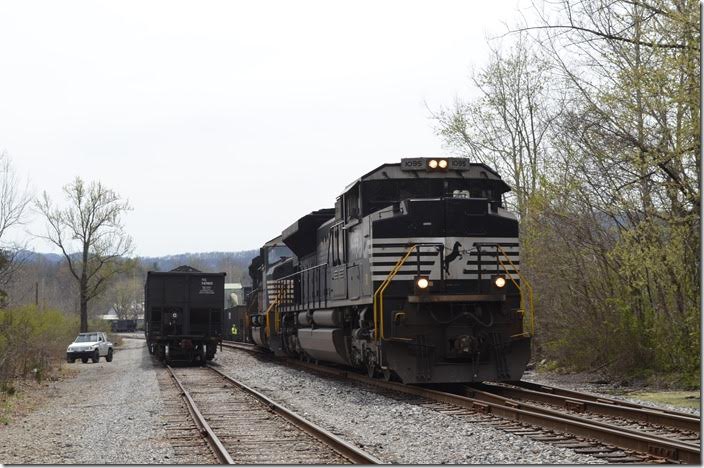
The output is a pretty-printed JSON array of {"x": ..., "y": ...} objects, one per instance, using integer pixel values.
[{"x": 32, "y": 340}]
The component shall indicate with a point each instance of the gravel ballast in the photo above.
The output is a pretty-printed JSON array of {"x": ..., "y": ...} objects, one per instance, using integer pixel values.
[
  {"x": 108, "y": 414},
  {"x": 392, "y": 430}
]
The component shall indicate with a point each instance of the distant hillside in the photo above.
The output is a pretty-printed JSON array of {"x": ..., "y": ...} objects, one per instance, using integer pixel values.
[{"x": 206, "y": 261}]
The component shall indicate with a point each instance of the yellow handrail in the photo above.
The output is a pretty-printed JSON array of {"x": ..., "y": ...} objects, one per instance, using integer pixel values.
[
  {"x": 530, "y": 306},
  {"x": 266, "y": 316},
  {"x": 378, "y": 303}
]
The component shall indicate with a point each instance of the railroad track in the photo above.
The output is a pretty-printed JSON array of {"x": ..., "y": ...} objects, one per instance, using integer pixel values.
[
  {"x": 668, "y": 424},
  {"x": 181, "y": 427},
  {"x": 244, "y": 426},
  {"x": 615, "y": 433}
]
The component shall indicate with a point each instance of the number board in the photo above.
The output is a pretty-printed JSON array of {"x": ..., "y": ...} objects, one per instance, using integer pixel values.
[
  {"x": 413, "y": 164},
  {"x": 421, "y": 164},
  {"x": 458, "y": 164}
]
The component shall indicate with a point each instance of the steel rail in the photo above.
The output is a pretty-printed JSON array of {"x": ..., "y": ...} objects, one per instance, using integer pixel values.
[
  {"x": 244, "y": 346},
  {"x": 342, "y": 447},
  {"x": 490, "y": 396},
  {"x": 671, "y": 450},
  {"x": 586, "y": 396},
  {"x": 204, "y": 428},
  {"x": 674, "y": 451},
  {"x": 645, "y": 414}
]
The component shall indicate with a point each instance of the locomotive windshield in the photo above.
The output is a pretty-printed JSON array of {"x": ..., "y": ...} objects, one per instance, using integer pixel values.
[
  {"x": 377, "y": 194},
  {"x": 278, "y": 253}
]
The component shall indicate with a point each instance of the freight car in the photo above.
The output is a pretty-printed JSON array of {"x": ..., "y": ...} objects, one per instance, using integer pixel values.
[
  {"x": 413, "y": 276},
  {"x": 122, "y": 326},
  {"x": 183, "y": 314}
]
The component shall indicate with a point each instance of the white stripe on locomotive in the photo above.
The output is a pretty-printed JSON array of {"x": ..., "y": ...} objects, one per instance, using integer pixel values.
[{"x": 390, "y": 250}]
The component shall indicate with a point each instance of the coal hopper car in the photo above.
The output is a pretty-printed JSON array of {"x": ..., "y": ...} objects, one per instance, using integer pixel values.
[{"x": 183, "y": 315}]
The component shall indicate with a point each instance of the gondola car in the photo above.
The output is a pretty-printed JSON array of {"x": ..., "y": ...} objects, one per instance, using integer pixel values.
[
  {"x": 413, "y": 276},
  {"x": 183, "y": 314}
]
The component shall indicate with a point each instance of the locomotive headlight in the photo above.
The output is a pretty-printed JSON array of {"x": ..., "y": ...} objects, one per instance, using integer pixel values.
[
  {"x": 442, "y": 163},
  {"x": 422, "y": 283},
  {"x": 432, "y": 164},
  {"x": 500, "y": 281}
]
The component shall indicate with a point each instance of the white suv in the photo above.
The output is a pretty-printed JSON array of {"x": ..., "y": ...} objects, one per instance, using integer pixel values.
[{"x": 89, "y": 345}]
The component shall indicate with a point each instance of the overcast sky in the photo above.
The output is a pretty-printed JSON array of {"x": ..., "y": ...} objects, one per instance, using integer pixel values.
[{"x": 223, "y": 122}]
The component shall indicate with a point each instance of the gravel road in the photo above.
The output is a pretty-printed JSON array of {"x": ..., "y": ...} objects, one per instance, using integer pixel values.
[
  {"x": 393, "y": 430},
  {"x": 110, "y": 413}
]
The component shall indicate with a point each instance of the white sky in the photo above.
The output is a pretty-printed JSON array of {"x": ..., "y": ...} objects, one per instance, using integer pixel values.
[{"x": 223, "y": 122}]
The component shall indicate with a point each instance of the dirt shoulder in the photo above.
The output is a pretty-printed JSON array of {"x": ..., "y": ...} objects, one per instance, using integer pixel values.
[{"x": 104, "y": 413}]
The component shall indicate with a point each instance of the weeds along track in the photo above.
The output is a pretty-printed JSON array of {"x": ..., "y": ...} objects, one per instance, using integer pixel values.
[
  {"x": 615, "y": 433},
  {"x": 245, "y": 427}
]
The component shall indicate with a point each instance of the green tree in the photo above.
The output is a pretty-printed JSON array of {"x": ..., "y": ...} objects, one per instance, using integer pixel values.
[{"x": 625, "y": 192}]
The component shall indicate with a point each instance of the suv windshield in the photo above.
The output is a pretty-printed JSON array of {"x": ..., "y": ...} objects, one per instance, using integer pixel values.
[{"x": 87, "y": 338}]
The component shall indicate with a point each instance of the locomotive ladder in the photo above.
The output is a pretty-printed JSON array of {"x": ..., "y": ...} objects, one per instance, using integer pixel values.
[
  {"x": 275, "y": 307},
  {"x": 527, "y": 305},
  {"x": 378, "y": 304}
]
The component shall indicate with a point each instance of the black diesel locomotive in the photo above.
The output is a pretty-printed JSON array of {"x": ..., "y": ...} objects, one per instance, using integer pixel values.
[
  {"x": 183, "y": 314},
  {"x": 413, "y": 275}
]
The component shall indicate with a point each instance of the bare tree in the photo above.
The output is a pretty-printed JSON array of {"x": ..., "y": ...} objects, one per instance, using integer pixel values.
[
  {"x": 14, "y": 199},
  {"x": 90, "y": 234},
  {"x": 508, "y": 125}
]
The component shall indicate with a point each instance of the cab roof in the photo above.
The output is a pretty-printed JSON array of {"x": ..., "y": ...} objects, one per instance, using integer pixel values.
[{"x": 415, "y": 168}]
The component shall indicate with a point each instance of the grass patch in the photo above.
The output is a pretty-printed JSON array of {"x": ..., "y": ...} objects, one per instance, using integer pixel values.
[
  {"x": 685, "y": 399},
  {"x": 7, "y": 397}
]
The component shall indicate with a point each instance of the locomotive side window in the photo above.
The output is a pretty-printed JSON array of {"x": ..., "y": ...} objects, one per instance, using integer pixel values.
[
  {"x": 352, "y": 203},
  {"x": 334, "y": 241},
  {"x": 336, "y": 252},
  {"x": 341, "y": 246}
]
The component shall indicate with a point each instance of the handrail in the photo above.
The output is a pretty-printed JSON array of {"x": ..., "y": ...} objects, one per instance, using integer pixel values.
[
  {"x": 378, "y": 302},
  {"x": 528, "y": 287},
  {"x": 302, "y": 277},
  {"x": 266, "y": 316},
  {"x": 296, "y": 273}
]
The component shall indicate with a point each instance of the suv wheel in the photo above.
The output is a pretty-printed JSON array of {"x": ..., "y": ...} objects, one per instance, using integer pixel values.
[
  {"x": 71, "y": 360},
  {"x": 96, "y": 356},
  {"x": 84, "y": 360},
  {"x": 108, "y": 358}
]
